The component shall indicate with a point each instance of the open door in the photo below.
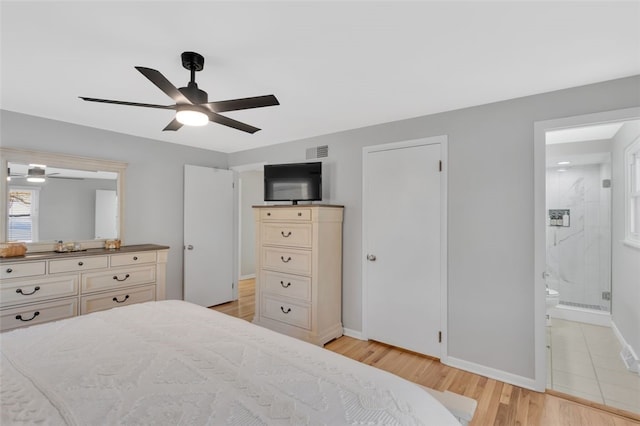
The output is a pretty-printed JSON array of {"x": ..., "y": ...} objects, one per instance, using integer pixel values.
[{"x": 208, "y": 235}]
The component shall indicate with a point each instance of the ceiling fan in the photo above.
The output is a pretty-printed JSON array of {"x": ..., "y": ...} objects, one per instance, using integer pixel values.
[{"x": 192, "y": 105}]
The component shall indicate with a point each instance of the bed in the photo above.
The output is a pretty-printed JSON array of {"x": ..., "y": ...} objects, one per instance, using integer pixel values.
[{"x": 172, "y": 362}]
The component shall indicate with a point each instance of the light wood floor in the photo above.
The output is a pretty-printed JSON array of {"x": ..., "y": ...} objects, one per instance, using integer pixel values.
[{"x": 498, "y": 403}]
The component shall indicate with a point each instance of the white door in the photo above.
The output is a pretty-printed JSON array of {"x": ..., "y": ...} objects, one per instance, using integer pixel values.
[
  {"x": 208, "y": 235},
  {"x": 106, "y": 214},
  {"x": 402, "y": 244}
]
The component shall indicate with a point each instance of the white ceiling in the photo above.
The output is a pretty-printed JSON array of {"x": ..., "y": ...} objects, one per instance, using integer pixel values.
[{"x": 333, "y": 65}]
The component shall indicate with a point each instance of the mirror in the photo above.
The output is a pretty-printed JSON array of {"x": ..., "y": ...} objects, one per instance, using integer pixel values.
[{"x": 49, "y": 197}]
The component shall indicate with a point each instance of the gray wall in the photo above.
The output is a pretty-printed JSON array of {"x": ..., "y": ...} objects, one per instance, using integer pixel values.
[
  {"x": 67, "y": 208},
  {"x": 490, "y": 170},
  {"x": 154, "y": 177},
  {"x": 625, "y": 280},
  {"x": 251, "y": 194}
]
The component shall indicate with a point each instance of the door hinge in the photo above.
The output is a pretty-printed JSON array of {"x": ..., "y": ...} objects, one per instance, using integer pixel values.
[
  {"x": 233, "y": 184},
  {"x": 440, "y": 165},
  {"x": 439, "y": 336},
  {"x": 232, "y": 285}
]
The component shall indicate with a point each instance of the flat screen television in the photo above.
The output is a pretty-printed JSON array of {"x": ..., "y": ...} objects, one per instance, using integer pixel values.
[{"x": 293, "y": 182}]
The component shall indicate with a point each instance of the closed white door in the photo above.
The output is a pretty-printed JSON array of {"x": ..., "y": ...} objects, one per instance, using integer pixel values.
[
  {"x": 402, "y": 243},
  {"x": 106, "y": 214},
  {"x": 208, "y": 235}
]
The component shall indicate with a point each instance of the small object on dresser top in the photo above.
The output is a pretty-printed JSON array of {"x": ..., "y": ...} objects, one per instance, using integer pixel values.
[
  {"x": 68, "y": 247},
  {"x": 12, "y": 249},
  {"x": 112, "y": 244}
]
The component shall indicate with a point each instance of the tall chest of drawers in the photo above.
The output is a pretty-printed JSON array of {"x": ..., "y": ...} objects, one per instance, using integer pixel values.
[
  {"x": 43, "y": 287},
  {"x": 299, "y": 271}
]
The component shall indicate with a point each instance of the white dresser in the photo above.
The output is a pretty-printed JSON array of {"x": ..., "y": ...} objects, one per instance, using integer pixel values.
[
  {"x": 42, "y": 287},
  {"x": 299, "y": 271}
]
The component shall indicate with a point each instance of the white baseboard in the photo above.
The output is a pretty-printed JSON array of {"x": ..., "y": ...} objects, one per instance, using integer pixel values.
[
  {"x": 628, "y": 355},
  {"x": 247, "y": 277},
  {"x": 492, "y": 373},
  {"x": 353, "y": 333},
  {"x": 586, "y": 316}
]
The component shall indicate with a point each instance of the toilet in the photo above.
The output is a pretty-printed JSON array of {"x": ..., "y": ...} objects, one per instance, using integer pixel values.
[{"x": 552, "y": 299}]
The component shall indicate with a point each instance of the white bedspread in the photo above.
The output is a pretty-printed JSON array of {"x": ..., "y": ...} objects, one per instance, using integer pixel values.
[{"x": 173, "y": 363}]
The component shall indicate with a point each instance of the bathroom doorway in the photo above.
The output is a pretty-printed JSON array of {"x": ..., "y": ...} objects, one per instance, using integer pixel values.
[{"x": 588, "y": 272}]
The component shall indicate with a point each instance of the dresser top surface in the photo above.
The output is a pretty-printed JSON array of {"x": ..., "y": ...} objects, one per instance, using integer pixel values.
[
  {"x": 48, "y": 255},
  {"x": 297, "y": 206}
]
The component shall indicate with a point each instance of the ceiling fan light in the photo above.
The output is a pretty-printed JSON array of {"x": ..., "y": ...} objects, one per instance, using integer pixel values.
[
  {"x": 36, "y": 179},
  {"x": 190, "y": 117}
]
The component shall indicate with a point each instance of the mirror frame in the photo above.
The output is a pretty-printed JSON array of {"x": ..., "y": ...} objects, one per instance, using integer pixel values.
[{"x": 25, "y": 156}]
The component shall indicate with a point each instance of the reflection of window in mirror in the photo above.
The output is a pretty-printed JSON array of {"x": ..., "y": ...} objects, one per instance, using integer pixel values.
[
  {"x": 23, "y": 214},
  {"x": 60, "y": 197}
]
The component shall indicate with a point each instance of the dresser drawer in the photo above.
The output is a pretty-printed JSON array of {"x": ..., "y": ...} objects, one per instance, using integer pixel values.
[
  {"x": 126, "y": 259},
  {"x": 120, "y": 277},
  {"x": 33, "y": 290},
  {"x": 287, "y": 285},
  {"x": 77, "y": 264},
  {"x": 286, "y": 214},
  {"x": 114, "y": 299},
  {"x": 294, "y": 234},
  {"x": 38, "y": 313},
  {"x": 287, "y": 312},
  {"x": 294, "y": 261},
  {"x": 22, "y": 269}
]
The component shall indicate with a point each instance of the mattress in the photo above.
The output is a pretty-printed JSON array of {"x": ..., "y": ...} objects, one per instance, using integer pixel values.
[{"x": 172, "y": 362}]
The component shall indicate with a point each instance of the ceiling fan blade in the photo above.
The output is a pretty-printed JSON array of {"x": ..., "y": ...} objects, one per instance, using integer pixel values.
[
  {"x": 221, "y": 119},
  {"x": 174, "y": 125},
  {"x": 244, "y": 103},
  {"x": 108, "y": 101},
  {"x": 165, "y": 85}
]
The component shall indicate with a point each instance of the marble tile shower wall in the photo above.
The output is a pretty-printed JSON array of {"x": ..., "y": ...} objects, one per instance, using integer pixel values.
[{"x": 579, "y": 255}]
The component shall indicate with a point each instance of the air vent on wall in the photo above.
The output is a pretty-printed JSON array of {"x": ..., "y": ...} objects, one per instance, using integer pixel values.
[{"x": 317, "y": 152}]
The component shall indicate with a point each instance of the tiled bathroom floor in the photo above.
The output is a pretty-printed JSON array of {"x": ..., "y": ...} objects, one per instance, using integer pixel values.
[{"x": 584, "y": 361}]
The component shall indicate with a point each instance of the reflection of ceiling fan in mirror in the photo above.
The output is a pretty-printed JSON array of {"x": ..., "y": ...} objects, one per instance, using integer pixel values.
[{"x": 36, "y": 174}]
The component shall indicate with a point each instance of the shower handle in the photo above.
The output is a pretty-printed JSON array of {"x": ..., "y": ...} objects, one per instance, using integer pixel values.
[{"x": 545, "y": 275}]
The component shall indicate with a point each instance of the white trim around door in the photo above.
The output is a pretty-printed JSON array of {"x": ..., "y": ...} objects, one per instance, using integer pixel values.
[{"x": 539, "y": 218}]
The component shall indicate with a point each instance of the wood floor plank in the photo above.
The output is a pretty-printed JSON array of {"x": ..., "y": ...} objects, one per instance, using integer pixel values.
[{"x": 498, "y": 403}]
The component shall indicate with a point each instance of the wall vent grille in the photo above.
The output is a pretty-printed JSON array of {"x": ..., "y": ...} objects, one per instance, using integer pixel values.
[{"x": 317, "y": 152}]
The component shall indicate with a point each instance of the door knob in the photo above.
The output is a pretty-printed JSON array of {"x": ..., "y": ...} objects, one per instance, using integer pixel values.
[
  {"x": 189, "y": 247},
  {"x": 371, "y": 257}
]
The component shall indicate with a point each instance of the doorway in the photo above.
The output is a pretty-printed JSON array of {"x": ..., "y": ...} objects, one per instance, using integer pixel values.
[
  {"x": 404, "y": 239},
  {"x": 584, "y": 270},
  {"x": 249, "y": 179}
]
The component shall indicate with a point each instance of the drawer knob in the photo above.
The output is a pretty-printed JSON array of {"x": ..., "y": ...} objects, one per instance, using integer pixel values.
[
  {"x": 115, "y": 277},
  {"x": 268, "y": 214},
  {"x": 80, "y": 263},
  {"x": 285, "y": 260},
  {"x": 299, "y": 213},
  {"x": 287, "y": 235},
  {"x": 9, "y": 270},
  {"x": 19, "y": 317},
  {"x": 135, "y": 257},
  {"x": 115, "y": 299},
  {"x": 284, "y": 286},
  {"x": 285, "y": 312},
  {"x": 19, "y": 291}
]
